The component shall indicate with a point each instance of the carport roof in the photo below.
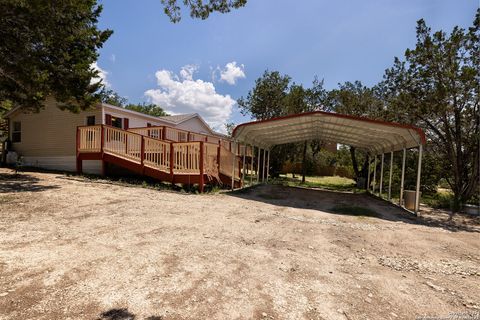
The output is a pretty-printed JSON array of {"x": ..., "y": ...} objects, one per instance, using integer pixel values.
[{"x": 374, "y": 136}]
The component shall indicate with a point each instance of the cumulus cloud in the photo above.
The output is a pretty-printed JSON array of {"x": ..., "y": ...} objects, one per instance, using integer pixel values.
[
  {"x": 102, "y": 75},
  {"x": 181, "y": 93},
  {"x": 231, "y": 72}
]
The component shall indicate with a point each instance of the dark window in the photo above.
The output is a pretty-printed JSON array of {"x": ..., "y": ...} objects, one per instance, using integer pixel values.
[
  {"x": 17, "y": 132},
  {"x": 117, "y": 122},
  {"x": 149, "y": 124},
  {"x": 90, "y": 120}
]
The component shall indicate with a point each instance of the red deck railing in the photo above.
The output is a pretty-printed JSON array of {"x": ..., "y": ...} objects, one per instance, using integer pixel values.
[{"x": 143, "y": 148}]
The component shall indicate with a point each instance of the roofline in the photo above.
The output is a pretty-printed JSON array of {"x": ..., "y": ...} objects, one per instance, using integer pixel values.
[
  {"x": 135, "y": 113},
  {"x": 420, "y": 132}
]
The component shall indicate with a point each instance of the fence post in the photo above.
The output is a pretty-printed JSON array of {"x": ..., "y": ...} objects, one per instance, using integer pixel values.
[
  {"x": 202, "y": 178},
  {"x": 142, "y": 153},
  {"x": 233, "y": 165}
]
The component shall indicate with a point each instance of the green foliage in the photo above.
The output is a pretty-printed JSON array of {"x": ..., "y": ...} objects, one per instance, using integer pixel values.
[
  {"x": 150, "y": 109},
  {"x": 111, "y": 97},
  {"x": 47, "y": 49},
  {"x": 437, "y": 87},
  {"x": 199, "y": 8}
]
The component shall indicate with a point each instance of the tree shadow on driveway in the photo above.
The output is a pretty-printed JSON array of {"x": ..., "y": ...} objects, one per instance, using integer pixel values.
[
  {"x": 328, "y": 201},
  {"x": 22, "y": 182},
  {"x": 123, "y": 314}
]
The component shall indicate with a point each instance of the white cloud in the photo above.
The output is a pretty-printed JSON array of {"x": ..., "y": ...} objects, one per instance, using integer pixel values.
[
  {"x": 232, "y": 72},
  {"x": 185, "y": 95},
  {"x": 102, "y": 75}
]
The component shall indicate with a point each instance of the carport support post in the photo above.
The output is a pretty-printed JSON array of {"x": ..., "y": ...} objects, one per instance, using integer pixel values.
[
  {"x": 403, "y": 176},
  {"x": 251, "y": 165},
  {"x": 368, "y": 177},
  {"x": 390, "y": 177},
  {"x": 374, "y": 173},
  {"x": 419, "y": 172},
  {"x": 263, "y": 166},
  {"x": 268, "y": 164},
  {"x": 243, "y": 165},
  {"x": 258, "y": 164},
  {"x": 381, "y": 176}
]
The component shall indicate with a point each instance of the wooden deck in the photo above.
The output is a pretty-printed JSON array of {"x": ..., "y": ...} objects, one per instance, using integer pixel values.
[{"x": 164, "y": 153}]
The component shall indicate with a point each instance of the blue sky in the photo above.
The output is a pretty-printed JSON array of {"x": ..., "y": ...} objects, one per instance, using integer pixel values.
[{"x": 336, "y": 40}]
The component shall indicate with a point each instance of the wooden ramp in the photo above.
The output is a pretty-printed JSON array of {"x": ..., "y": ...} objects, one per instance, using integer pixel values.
[{"x": 149, "y": 152}]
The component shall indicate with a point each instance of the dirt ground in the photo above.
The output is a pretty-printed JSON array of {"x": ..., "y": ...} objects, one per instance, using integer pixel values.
[{"x": 72, "y": 248}]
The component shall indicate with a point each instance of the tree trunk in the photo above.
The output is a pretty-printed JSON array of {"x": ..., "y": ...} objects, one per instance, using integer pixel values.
[{"x": 304, "y": 167}]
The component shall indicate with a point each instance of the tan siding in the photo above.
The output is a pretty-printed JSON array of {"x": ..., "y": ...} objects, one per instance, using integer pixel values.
[{"x": 51, "y": 132}]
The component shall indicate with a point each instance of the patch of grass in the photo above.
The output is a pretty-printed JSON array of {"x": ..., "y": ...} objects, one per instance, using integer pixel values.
[
  {"x": 443, "y": 199},
  {"x": 354, "y": 211},
  {"x": 334, "y": 183}
]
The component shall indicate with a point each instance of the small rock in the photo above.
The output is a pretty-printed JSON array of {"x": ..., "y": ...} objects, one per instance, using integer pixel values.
[
  {"x": 310, "y": 247},
  {"x": 433, "y": 286},
  {"x": 394, "y": 314},
  {"x": 264, "y": 314},
  {"x": 370, "y": 295},
  {"x": 368, "y": 300},
  {"x": 3, "y": 294}
]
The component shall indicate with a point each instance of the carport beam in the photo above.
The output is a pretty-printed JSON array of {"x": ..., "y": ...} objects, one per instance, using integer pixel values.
[
  {"x": 419, "y": 173},
  {"x": 381, "y": 176},
  {"x": 403, "y": 176},
  {"x": 390, "y": 177}
]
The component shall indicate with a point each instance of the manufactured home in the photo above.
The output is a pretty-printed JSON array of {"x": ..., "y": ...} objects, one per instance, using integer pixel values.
[{"x": 47, "y": 139}]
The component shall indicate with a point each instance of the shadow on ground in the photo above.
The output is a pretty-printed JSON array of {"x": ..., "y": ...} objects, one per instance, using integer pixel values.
[
  {"x": 123, "y": 314},
  {"x": 331, "y": 201},
  {"x": 22, "y": 182}
]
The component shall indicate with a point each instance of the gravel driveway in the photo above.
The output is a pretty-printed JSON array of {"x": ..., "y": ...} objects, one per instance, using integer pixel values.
[{"x": 72, "y": 248}]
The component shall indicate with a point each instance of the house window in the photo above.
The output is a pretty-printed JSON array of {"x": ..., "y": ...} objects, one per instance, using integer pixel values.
[
  {"x": 17, "y": 131},
  {"x": 117, "y": 122},
  {"x": 90, "y": 120}
]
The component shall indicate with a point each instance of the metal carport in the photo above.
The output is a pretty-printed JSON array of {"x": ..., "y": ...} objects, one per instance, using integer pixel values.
[{"x": 373, "y": 136}]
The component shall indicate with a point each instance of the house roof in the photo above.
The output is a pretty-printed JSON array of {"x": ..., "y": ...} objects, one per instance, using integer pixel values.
[
  {"x": 179, "y": 118},
  {"x": 371, "y": 135}
]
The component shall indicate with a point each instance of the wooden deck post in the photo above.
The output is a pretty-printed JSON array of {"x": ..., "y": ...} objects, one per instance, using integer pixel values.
[
  {"x": 233, "y": 166},
  {"x": 374, "y": 173},
  {"x": 142, "y": 154},
  {"x": 171, "y": 163},
  {"x": 202, "y": 178}
]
